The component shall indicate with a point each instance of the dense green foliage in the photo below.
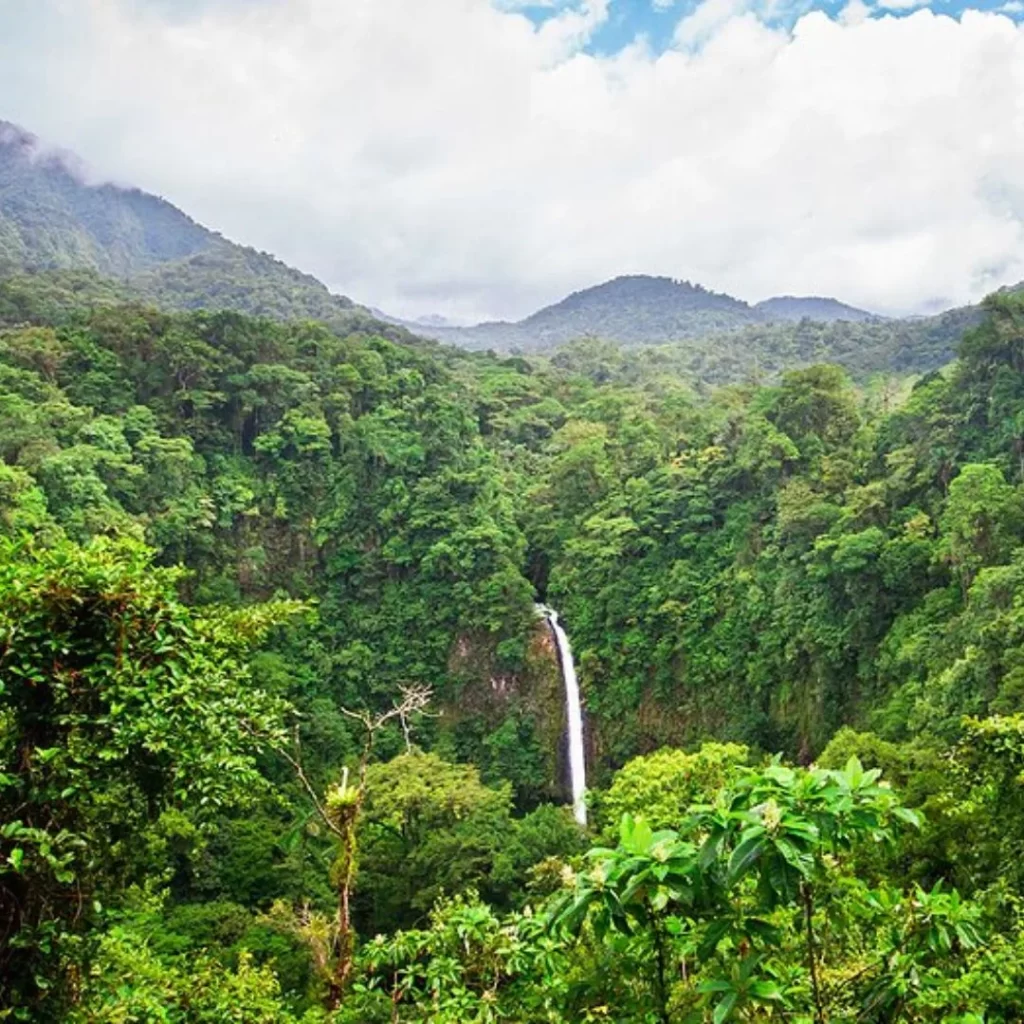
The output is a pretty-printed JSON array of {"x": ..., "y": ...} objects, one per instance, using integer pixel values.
[
  {"x": 863, "y": 348},
  {"x": 116, "y": 704},
  {"x": 204, "y": 792}
]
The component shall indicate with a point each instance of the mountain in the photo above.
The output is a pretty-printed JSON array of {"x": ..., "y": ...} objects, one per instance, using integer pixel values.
[
  {"x": 633, "y": 310},
  {"x": 715, "y": 338},
  {"x": 50, "y": 217},
  {"x": 640, "y": 310},
  {"x": 433, "y": 320},
  {"x": 824, "y": 310},
  {"x": 53, "y": 219},
  {"x": 100, "y": 243}
]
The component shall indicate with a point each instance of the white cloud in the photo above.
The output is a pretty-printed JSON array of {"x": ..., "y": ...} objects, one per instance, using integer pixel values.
[
  {"x": 445, "y": 156},
  {"x": 902, "y": 5},
  {"x": 531, "y": 5},
  {"x": 854, "y": 13},
  {"x": 706, "y": 19}
]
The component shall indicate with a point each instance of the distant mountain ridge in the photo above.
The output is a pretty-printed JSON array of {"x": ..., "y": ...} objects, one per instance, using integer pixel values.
[
  {"x": 104, "y": 243},
  {"x": 824, "y": 310},
  {"x": 715, "y": 338},
  {"x": 638, "y": 309}
]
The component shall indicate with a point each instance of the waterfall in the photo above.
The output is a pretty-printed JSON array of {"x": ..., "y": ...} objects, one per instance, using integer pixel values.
[{"x": 574, "y": 715}]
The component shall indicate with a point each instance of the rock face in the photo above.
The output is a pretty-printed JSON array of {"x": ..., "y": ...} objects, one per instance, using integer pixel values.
[{"x": 526, "y": 707}]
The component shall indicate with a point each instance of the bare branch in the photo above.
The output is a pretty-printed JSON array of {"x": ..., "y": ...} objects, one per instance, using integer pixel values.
[
  {"x": 414, "y": 701},
  {"x": 347, "y": 804},
  {"x": 296, "y": 765}
]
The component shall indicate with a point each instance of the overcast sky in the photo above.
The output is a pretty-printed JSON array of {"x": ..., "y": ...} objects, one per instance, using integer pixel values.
[{"x": 478, "y": 158}]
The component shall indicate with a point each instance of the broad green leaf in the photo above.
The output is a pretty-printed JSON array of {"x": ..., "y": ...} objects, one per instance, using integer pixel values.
[
  {"x": 725, "y": 1007},
  {"x": 745, "y": 855}
]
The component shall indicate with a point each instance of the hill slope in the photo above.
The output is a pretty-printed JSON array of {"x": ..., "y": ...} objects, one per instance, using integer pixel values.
[
  {"x": 52, "y": 219},
  {"x": 824, "y": 310}
]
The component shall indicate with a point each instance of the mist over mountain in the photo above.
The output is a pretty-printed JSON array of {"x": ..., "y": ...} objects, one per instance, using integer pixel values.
[
  {"x": 53, "y": 219},
  {"x": 50, "y": 216}
]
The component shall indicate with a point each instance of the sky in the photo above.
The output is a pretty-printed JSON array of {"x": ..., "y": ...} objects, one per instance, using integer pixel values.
[{"x": 480, "y": 158}]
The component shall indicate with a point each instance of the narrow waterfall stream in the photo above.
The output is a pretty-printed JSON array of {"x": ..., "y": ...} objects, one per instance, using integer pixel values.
[{"x": 574, "y": 716}]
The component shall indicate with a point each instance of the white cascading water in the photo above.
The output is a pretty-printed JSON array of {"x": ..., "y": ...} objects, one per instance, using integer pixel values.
[{"x": 574, "y": 714}]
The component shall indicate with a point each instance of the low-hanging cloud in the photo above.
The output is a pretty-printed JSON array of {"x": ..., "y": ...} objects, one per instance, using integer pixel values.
[{"x": 450, "y": 156}]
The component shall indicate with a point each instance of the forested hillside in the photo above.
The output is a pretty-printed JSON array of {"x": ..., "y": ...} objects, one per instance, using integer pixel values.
[
  {"x": 638, "y": 309},
  {"x": 53, "y": 218},
  {"x": 635, "y": 309},
  {"x": 272, "y": 683},
  {"x": 49, "y": 215}
]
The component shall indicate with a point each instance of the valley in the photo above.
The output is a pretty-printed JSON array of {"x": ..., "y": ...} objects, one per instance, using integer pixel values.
[{"x": 284, "y": 738}]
